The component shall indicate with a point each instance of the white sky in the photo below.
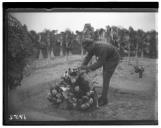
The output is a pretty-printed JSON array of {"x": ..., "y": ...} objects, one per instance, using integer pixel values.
[{"x": 76, "y": 20}]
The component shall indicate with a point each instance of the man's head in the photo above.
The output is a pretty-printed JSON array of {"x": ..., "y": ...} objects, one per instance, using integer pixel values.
[{"x": 87, "y": 44}]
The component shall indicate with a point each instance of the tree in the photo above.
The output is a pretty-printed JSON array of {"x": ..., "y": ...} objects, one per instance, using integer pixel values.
[
  {"x": 114, "y": 36},
  {"x": 53, "y": 41},
  {"x": 69, "y": 37},
  {"x": 40, "y": 46},
  {"x": 79, "y": 38},
  {"x": 100, "y": 34},
  {"x": 140, "y": 39},
  {"x": 96, "y": 35},
  {"x": 108, "y": 34},
  {"x": 153, "y": 40},
  {"x": 48, "y": 43},
  {"x": 133, "y": 43},
  {"x": 60, "y": 40},
  {"x": 127, "y": 44},
  {"x": 44, "y": 43},
  {"x": 34, "y": 37},
  {"x": 20, "y": 47},
  {"x": 120, "y": 37},
  {"x": 88, "y": 31}
]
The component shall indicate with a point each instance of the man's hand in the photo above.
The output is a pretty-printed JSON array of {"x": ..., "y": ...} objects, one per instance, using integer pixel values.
[
  {"x": 85, "y": 69},
  {"x": 76, "y": 88}
]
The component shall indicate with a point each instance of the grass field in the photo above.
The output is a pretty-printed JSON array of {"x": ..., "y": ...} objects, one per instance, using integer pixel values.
[{"x": 130, "y": 98}]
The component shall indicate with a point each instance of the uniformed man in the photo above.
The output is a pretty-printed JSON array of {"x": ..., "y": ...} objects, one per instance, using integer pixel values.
[{"x": 108, "y": 57}]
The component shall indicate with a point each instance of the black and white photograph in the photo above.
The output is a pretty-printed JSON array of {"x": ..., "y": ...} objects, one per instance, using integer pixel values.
[{"x": 80, "y": 65}]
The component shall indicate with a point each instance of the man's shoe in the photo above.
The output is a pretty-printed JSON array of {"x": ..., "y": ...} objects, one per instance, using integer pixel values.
[{"x": 102, "y": 102}]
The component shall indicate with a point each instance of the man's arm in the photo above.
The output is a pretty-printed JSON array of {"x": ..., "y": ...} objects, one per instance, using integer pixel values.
[
  {"x": 99, "y": 62},
  {"x": 87, "y": 59}
]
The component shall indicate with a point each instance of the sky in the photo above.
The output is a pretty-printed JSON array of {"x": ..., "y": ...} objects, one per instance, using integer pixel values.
[{"x": 75, "y": 20}]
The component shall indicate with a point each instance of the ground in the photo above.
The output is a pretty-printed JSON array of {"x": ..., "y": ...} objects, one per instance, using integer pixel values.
[{"x": 130, "y": 98}]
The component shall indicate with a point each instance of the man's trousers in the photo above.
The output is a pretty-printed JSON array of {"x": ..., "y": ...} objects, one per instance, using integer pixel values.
[{"x": 108, "y": 69}]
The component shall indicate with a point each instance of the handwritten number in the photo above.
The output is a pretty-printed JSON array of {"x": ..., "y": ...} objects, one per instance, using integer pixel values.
[{"x": 16, "y": 117}]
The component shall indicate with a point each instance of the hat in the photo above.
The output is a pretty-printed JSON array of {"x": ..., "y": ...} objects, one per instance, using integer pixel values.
[{"x": 86, "y": 42}]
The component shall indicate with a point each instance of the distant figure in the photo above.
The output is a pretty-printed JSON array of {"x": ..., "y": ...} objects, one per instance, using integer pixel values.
[
  {"x": 108, "y": 57},
  {"x": 140, "y": 70}
]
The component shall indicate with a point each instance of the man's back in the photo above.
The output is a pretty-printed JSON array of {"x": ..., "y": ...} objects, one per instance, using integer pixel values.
[{"x": 103, "y": 49}]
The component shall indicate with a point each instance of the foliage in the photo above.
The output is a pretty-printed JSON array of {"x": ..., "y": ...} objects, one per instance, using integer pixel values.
[
  {"x": 69, "y": 37},
  {"x": 23, "y": 44},
  {"x": 88, "y": 31},
  {"x": 137, "y": 42},
  {"x": 20, "y": 48}
]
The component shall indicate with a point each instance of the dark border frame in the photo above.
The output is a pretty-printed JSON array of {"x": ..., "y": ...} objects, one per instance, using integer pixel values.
[{"x": 68, "y": 7}]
